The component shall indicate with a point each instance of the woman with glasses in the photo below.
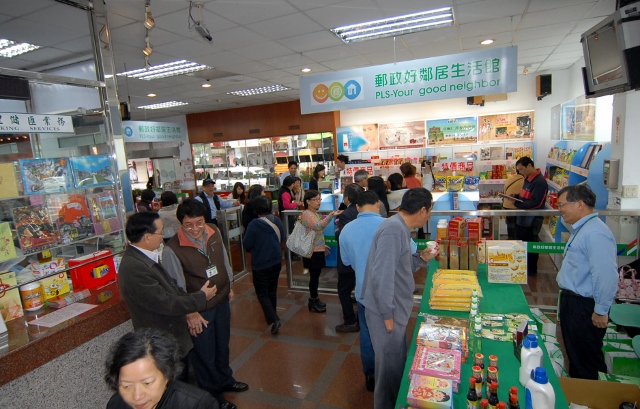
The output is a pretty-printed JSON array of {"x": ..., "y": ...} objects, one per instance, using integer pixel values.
[{"x": 312, "y": 220}]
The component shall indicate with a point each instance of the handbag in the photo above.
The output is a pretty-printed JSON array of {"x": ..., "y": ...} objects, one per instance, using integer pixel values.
[
  {"x": 628, "y": 284},
  {"x": 300, "y": 241}
]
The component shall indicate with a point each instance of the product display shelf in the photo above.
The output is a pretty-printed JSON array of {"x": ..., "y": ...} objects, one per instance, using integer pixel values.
[
  {"x": 493, "y": 301},
  {"x": 490, "y": 200},
  {"x": 493, "y": 181},
  {"x": 553, "y": 185}
]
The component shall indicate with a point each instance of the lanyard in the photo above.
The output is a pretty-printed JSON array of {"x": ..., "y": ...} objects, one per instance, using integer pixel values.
[
  {"x": 574, "y": 236},
  {"x": 206, "y": 255}
]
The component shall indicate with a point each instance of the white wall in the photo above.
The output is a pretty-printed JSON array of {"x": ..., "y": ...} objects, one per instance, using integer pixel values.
[{"x": 566, "y": 85}]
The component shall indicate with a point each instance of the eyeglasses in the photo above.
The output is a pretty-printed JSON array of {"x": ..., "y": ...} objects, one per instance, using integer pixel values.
[
  {"x": 561, "y": 205},
  {"x": 190, "y": 226},
  {"x": 159, "y": 234},
  {"x": 317, "y": 199}
]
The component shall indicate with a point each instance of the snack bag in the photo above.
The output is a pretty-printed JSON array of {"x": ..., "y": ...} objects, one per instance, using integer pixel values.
[
  {"x": 455, "y": 183},
  {"x": 471, "y": 183}
]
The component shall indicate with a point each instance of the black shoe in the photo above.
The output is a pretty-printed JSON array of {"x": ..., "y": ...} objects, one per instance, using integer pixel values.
[
  {"x": 315, "y": 306},
  {"x": 295, "y": 257},
  {"x": 348, "y": 327},
  {"x": 353, "y": 300},
  {"x": 228, "y": 405},
  {"x": 370, "y": 382},
  {"x": 276, "y": 327},
  {"x": 237, "y": 387},
  {"x": 320, "y": 303}
]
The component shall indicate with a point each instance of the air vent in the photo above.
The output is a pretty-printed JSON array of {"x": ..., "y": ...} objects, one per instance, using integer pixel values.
[
  {"x": 217, "y": 134},
  {"x": 294, "y": 127},
  {"x": 254, "y": 131}
]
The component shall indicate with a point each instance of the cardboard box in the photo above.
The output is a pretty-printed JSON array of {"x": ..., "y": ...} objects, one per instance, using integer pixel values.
[
  {"x": 474, "y": 227},
  {"x": 506, "y": 262},
  {"x": 457, "y": 227},
  {"x": 544, "y": 322},
  {"x": 598, "y": 394},
  {"x": 93, "y": 270},
  {"x": 10, "y": 303},
  {"x": 55, "y": 285}
]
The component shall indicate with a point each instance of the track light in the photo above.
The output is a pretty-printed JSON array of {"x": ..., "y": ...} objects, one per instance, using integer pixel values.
[
  {"x": 149, "y": 22},
  {"x": 148, "y": 49}
]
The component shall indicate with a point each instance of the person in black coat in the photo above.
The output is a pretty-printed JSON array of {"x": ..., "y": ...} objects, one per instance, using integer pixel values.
[
  {"x": 142, "y": 367},
  {"x": 248, "y": 213},
  {"x": 318, "y": 175}
]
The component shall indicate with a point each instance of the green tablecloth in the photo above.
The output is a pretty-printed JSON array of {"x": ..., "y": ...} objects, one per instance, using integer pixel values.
[{"x": 497, "y": 298}]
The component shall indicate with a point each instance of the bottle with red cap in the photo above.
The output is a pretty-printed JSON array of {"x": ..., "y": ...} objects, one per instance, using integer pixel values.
[
  {"x": 502, "y": 405},
  {"x": 513, "y": 398},
  {"x": 493, "y": 396},
  {"x": 484, "y": 404},
  {"x": 472, "y": 396}
]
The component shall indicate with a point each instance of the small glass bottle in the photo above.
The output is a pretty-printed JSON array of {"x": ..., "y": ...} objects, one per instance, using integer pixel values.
[
  {"x": 477, "y": 375},
  {"x": 472, "y": 396},
  {"x": 513, "y": 401},
  {"x": 502, "y": 405},
  {"x": 492, "y": 376},
  {"x": 479, "y": 360},
  {"x": 484, "y": 404},
  {"x": 493, "y": 361},
  {"x": 493, "y": 396}
]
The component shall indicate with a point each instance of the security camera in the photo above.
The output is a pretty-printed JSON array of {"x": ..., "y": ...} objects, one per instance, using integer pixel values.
[{"x": 203, "y": 31}]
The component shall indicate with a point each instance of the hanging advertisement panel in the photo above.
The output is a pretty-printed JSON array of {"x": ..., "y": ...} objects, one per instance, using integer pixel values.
[
  {"x": 506, "y": 127},
  {"x": 453, "y": 131}
]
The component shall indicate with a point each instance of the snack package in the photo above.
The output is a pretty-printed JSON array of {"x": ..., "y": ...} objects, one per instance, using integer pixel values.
[
  {"x": 463, "y": 246},
  {"x": 471, "y": 183},
  {"x": 439, "y": 183},
  {"x": 426, "y": 392},
  {"x": 473, "y": 255},
  {"x": 454, "y": 256},
  {"x": 455, "y": 183},
  {"x": 444, "y": 255}
]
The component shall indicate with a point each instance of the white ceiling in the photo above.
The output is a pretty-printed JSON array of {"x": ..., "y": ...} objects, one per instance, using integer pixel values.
[{"x": 266, "y": 42}]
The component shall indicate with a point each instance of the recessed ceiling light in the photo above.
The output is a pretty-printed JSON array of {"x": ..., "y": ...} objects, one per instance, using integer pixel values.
[
  {"x": 306, "y": 70},
  {"x": 486, "y": 42},
  {"x": 259, "y": 90},
  {"x": 165, "y": 70},
  {"x": 161, "y": 105},
  {"x": 10, "y": 48},
  {"x": 206, "y": 85},
  {"x": 394, "y": 26},
  {"x": 152, "y": 95}
]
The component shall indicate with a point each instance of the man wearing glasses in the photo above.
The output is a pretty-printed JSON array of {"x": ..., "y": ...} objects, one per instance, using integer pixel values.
[
  {"x": 194, "y": 255},
  {"x": 211, "y": 202},
  {"x": 152, "y": 296},
  {"x": 588, "y": 279}
]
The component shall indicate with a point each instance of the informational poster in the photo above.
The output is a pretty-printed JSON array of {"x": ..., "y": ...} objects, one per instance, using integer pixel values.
[
  {"x": 453, "y": 131},
  {"x": 358, "y": 138},
  {"x": 585, "y": 119},
  {"x": 402, "y": 135},
  {"x": 503, "y": 127},
  {"x": 555, "y": 123},
  {"x": 567, "y": 120}
]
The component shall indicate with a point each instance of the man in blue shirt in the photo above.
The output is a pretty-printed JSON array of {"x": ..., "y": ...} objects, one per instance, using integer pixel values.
[
  {"x": 211, "y": 202},
  {"x": 588, "y": 279},
  {"x": 355, "y": 242}
]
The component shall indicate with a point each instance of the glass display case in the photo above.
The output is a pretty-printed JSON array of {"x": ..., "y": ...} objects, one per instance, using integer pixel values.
[{"x": 260, "y": 161}]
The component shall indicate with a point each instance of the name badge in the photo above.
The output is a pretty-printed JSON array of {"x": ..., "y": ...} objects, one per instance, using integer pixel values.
[{"x": 212, "y": 271}]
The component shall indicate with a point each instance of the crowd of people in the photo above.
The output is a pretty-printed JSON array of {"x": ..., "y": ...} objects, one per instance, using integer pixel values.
[{"x": 182, "y": 291}]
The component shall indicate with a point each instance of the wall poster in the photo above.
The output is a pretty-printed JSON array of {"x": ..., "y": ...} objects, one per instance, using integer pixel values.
[
  {"x": 567, "y": 120},
  {"x": 453, "y": 131},
  {"x": 402, "y": 135},
  {"x": 504, "y": 127},
  {"x": 584, "y": 125},
  {"x": 357, "y": 138}
]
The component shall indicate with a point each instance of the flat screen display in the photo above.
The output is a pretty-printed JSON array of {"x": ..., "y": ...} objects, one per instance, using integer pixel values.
[{"x": 605, "y": 56}]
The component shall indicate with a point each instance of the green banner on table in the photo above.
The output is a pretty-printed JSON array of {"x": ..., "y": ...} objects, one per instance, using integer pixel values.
[{"x": 330, "y": 241}]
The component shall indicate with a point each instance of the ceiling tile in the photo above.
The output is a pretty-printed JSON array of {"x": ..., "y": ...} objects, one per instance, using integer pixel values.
[
  {"x": 499, "y": 40},
  {"x": 565, "y": 56},
  {"x": 565, "y": 15},
  {"x": 344, "y": 14},
  {"x": 311, "y": 41},
  {"x": 532, "y": 60},
  {"x": 437, "y": 49},
  {"x": 313, "y": 4},
  {"x": 602, "y": 9},
  {"x": 17, "y": 8},
  {"x": 488, "y": 27},
  {"x": 116, "y": 20},
  {"x": 61, "y": 15},
  {"x": 158, "y": 37},
  {"x": 429, "y": 36},
  {"x": 14, "y": 63},
  {"x": 535, "y": 52},
  {"x": 179, "y": 23},
  {"x": 538, "y": 42},
  {"x": 285, "y": 26},
  {"x": 585, "y": 25},
  {"x": 571, "y": 39},
  {"x": 273, "y": 75},
  {"x": 226, "y": 58},
  {"x": 346, "y": 63},
  {"x": 386, "y": 57},
  {"x": 247, "y": 68},
  {"x": 331, "y": 53},
  {"x": 287, "y": 61},
  {"x": 135, "y": 8},
  {"x": 538, "y": 5},
  {"x": 187, "y": 49},
  {"x": 41, "y": 34},
  {"x": 261, "y": 51},
  {"x": 569, "y": 48},
  {"x": 488, "y": 9},
  {"x": 79, "y": 45},
  {"x": 237, "y": 37},
  {"x": 552, "y": 30},
  {"x": 251, "y": 11}
]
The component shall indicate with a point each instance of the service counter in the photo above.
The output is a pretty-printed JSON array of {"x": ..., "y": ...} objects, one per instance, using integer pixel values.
[
  {"x": 499, "y": 299},
  {"x": 32, "y": 346}
]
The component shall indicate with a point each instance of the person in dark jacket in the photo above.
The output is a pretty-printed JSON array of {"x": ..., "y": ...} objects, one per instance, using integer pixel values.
[
  {"x": 248, "y": 213},
  {"x": 533, "y": 196},
  {"x": 146, "y": 197},
  {"x": 212, "y": 202},
  {"x": 262, "y": 239},
  {"x": 318, "y": 175},
  {"x": 346, "y": 274},
  {"x": 142, "y": 368},
  {"x": 152, "y": 297}
]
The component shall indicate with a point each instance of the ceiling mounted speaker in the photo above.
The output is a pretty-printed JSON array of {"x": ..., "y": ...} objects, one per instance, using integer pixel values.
[{"x": 543, "y": 86}]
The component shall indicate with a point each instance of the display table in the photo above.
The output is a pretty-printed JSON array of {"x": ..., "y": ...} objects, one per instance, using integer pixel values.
[
  {"x": 32, "y": 346},
  {"x": 499, "y": 299}
]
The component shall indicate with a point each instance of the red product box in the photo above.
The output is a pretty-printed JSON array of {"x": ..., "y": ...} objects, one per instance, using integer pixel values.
[
  {"x": 474, "y": 227},
  {"x": 94, "y": 270},
  {"x": 457, "y": 227}
]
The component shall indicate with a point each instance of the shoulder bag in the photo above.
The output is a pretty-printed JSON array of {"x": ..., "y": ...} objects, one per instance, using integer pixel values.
[{"x": 300, "y": 241}]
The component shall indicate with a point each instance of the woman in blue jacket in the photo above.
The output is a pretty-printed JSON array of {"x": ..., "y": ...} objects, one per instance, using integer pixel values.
[{"x": 262, "y": 239}]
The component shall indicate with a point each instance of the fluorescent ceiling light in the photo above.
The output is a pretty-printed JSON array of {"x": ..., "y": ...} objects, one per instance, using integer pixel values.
[
  {"x": 161, "y": 105},
  {"x": 395, "y": 26},
  {"x": 10, "y": 48},
  {"x": 165, "y": 70},
  {"x": 152, "y": 95},
  {"x": 206, "y": 85},
  {"x": 306, "y": 70},
  {"x": 260, "y": 90},
  {"x": 486, "y": 42}
]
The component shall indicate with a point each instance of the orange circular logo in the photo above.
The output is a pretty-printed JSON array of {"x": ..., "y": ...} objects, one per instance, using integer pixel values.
[{"x": 320, "y": 93}]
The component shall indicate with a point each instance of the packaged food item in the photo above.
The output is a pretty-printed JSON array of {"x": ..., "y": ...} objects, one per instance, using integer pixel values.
[
  {"x": 457, "y": 228},
  {"x": 454, "y": 256},
  {"x": 10, "y": 305},
  {"x": 482, "y": 251},
  {"x": 471, "y": 183},
  {"x": 439, "y": 183},
  {"x": 506, "y": 262},
  {"x": 463, "y": 249},
  {"x": 55, "y": 286},
  {"x": 455, "y": 183},
  {"x": 426, "y": 392},
  {"x": 473, "y": 255},
  {"x": 437, "y": 362},
  {"x": 32, "y": 296},
  {"x": 443, "y": 261},
  {"x": 474, "y": 227}
]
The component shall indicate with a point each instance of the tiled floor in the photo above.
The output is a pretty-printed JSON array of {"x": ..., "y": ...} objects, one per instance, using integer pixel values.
[{"x": 308, "y": 365}]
